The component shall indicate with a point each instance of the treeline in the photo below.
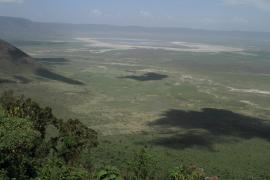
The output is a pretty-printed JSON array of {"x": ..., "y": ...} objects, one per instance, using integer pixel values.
[{"x": 28, "y": 151}]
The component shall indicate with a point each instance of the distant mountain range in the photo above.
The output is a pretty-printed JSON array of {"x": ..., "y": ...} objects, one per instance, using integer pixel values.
[
  {"x": 18, "y": 67},
  {"x": 19, "y": 28}
]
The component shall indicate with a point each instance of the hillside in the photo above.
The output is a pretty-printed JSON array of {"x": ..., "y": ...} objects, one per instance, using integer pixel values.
[
  {"x": 17, "y": 66},
  {"x": 28, "y": 152},
  {"x": 15, "y": 61}
]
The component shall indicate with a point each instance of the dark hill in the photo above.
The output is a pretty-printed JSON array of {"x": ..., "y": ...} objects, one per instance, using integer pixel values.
[{"x": 15, "y": 63}]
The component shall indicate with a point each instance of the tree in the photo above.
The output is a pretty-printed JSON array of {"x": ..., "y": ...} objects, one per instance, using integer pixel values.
[
  {"x": 142, "y": 165},
  {"x": 18, "y": 106},
  {"x": 23, "y": 145},
  {"x": 18, "y": 141},
  {"x": 73, "y": 135},
  {"x": 73, "y": 138}
]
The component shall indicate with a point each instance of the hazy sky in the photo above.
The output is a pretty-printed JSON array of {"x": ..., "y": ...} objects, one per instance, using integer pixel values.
[{"x": 252, "y": 15}]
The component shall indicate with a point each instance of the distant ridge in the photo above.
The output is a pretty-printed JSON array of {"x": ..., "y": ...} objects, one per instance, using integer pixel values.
[
  {"x": 19, "y": 66},
  {"x": 20, "y": 28}
]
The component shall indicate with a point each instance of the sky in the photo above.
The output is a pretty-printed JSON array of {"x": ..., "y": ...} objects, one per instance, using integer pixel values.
[{"x": 243, "y": 15}]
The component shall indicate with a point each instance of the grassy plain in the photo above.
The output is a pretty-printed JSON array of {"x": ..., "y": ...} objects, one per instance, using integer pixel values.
[{"x": 156, "y": 98}]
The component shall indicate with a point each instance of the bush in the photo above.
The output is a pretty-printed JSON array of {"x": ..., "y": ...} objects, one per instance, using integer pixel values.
[
  {"x": 3, "y": 175},
  {"x": 142, "y": 166},
  {"x": 56, "y": 169},
  {"x": 187, "y": 173},
  {"x": 109, "y": 173}
]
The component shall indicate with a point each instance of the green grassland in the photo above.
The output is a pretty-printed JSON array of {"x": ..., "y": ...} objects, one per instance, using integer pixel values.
[{"x": 130, "y": 111}]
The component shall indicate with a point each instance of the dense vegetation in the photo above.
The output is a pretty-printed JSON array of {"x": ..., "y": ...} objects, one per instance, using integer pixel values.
[
  {"x": 29, "y": 149},
  {"x": 25, "y": 150}
]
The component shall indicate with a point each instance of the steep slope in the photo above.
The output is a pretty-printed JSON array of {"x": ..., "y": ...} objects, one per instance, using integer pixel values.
[
  {"x": 14, "y": 61},
  {"x": 18, "y": 67}
]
